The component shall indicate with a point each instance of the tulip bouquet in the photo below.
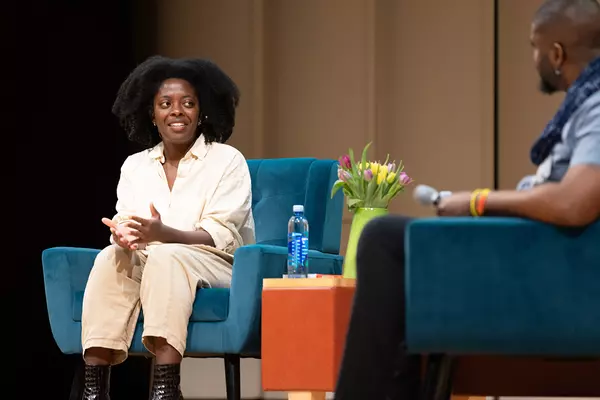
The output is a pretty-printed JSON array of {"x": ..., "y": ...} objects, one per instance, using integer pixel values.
[{"x": 369, "y": 184}]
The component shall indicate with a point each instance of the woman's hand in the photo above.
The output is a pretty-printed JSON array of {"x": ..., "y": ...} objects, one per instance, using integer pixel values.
[
  {"x": 123, "y": 236},
  {"x": 146, "y": 230},
  {"x": 457, "y": 205}
]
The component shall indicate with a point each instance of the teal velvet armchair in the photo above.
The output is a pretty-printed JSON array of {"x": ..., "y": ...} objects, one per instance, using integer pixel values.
[
  {"x": 225, "y": 323},
  {"x": 501, "y": 287}
]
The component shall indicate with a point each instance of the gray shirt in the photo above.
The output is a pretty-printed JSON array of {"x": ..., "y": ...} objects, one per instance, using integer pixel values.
[{"x": 580, "y": 145}]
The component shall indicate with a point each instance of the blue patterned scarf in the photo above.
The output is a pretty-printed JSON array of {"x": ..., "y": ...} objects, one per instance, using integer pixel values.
[{"x": 586, "y": 85}]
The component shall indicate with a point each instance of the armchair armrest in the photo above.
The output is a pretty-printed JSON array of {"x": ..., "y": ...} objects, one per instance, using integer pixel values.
[
  {"x": 66, "y": 270},
  {"x": 502, "y": 285},
  {"x": 252, "y": 264}
]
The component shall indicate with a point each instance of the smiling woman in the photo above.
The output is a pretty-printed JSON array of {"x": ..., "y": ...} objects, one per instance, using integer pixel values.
[
  {"x": 177, "y": 224},
  {"x": 201, "y": 80}
]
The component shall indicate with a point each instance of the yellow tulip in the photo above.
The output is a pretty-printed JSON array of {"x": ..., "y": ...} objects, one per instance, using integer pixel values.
[
  {"x": 382, "y": 174},
  {"x": 375, "y": 168},
  {"x": 391, "y": 178}
]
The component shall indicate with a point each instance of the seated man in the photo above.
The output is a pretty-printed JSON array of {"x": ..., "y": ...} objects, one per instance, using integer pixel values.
[{"x": 565, "y": 37}]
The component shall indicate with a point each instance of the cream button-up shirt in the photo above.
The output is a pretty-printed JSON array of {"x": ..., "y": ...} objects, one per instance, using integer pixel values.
[{"x": 212, "y": 191}]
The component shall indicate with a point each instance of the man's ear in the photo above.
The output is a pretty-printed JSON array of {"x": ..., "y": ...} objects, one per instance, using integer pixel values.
[{"x": 558, "y": 56}]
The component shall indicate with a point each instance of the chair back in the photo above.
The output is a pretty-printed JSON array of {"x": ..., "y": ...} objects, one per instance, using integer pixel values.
[{"x": 279, "y": 184}]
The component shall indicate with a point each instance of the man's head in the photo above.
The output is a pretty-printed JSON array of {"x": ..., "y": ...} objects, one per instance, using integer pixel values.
[{"x": 565, "y": 36}]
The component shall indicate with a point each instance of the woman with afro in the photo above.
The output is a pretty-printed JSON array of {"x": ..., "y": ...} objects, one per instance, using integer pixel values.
[{"x": 183, "y": 208}]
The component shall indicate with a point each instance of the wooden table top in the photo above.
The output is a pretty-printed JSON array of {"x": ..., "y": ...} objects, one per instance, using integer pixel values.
[{"x": 323, "y": 282}]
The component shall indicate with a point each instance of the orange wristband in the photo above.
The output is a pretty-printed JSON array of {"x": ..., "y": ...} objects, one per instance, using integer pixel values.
[
  {"x": 473, "y": 202},
  {"x": 481, "y": 201}
]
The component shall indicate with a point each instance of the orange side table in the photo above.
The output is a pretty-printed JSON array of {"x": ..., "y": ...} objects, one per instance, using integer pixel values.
[{"x": 304, "y": 323}]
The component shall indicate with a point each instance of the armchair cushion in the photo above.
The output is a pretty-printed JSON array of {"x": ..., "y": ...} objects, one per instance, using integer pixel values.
[{"x": 502, "y": 286}]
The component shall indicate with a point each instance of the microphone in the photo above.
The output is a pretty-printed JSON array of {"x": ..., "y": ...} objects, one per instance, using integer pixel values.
[{"x": 427, "y": 196}]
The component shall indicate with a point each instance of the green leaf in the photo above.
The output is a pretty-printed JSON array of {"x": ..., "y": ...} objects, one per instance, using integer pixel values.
[
  {"x": 352, "y": 202},
  {"x": 387, "y": 158},
  {"x": 363, "y": 162},
  {"x": 363, "y": 159},
  {"x": 384, "y": 188},
  {"x": 393, "y": 192},
  {"x": 336, "y": 186},
  {"x": 371, "y": 187}
]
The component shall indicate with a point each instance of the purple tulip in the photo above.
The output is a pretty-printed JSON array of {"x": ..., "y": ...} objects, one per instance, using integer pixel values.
[
  {"x": 345, "y": 162},
  {"x": 368, "y": 175},
  {"x": 391, "y": 167},
  {"x": 343, "y": 175},
  {"x": 404, "y": 178}
]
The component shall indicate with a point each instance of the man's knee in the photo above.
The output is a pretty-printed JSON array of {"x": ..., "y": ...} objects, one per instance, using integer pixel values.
[{"x": 382, "y": 231}]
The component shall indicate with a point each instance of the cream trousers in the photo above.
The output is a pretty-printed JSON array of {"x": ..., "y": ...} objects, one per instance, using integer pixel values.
[{"x": 162, "y": 279}]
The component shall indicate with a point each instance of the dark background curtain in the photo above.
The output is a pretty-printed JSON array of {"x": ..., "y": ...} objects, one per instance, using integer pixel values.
[{"x": 68, "y": 154}]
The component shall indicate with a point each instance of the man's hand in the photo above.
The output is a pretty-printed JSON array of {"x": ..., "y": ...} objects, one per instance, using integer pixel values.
[
  {"x": 146, "y": 230},
  {"x": 456, "y": 205}
]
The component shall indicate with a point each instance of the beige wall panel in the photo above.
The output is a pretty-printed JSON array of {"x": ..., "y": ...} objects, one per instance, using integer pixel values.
[
  {"x": 316, "y": 77},
  {"x": 435, "y": 92},
  {"x": 523, "y": 109},
  {"x": 225, "y": 31}
]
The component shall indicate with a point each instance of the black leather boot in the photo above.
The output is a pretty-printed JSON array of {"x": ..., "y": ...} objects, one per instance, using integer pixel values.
[
  {"x": 97, "y": 382},
  {"x": 165, "y": 383}
]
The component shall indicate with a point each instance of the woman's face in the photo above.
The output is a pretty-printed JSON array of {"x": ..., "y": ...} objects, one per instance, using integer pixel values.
[{"x": 176, "y": 111}]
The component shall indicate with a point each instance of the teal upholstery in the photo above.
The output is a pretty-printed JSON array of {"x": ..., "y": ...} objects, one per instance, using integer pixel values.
[
  {"x": 224, "y": 321},
  {"x": 502, "y": 286}
]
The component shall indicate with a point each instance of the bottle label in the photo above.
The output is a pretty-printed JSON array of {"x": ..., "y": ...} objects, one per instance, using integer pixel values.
[
  {"x": 305, "y": 252},
  {"x": 297, "y": 254}
]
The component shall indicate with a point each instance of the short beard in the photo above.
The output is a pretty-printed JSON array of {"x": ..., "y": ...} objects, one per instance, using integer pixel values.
[{"x": 546, "y": 87}]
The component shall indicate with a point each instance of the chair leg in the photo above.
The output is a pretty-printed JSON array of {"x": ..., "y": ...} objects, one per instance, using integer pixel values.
[
  {"x": 78, "y": 381},
  {"x": 438, "y": 378},
  {"x": 232, "y": 376}
]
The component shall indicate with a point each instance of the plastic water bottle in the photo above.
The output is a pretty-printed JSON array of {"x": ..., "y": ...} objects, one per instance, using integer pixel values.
[{"x": 297, "y": 265}]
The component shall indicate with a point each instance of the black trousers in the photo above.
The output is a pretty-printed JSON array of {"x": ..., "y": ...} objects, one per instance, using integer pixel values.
[{"x": 375, "y": 365}]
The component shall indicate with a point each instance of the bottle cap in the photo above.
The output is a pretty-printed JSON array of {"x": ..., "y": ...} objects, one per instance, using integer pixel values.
[{"x": 298, "y": 208}]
